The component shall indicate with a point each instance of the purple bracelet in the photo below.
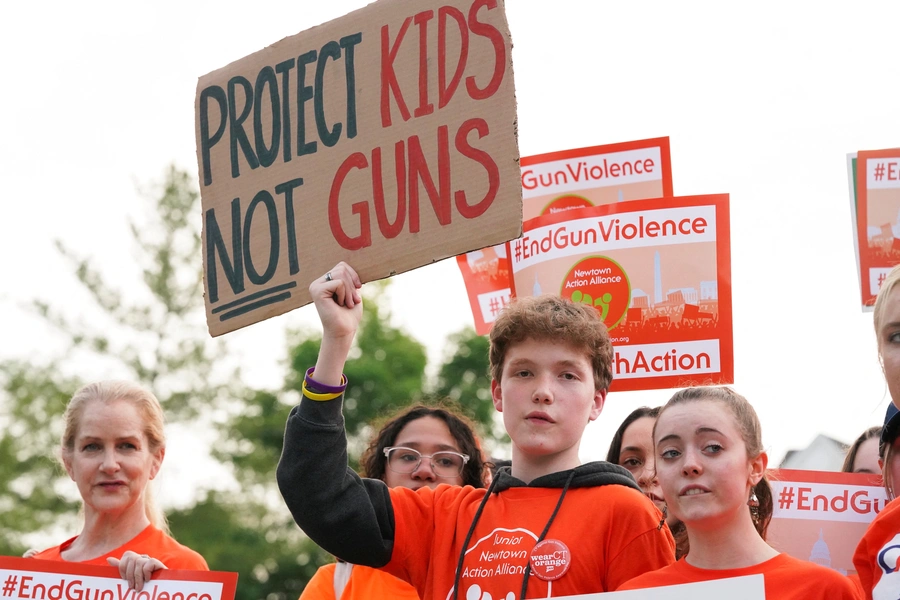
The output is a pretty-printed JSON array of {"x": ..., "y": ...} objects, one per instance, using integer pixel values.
[{"x": 321, "y": 388}]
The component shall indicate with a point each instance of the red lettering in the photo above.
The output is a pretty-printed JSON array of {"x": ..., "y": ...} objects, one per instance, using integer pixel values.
[
  {"x": 389, "y": 84},
  {"x": 614, "y": 169},
  {"x": 802, "y": 497},
  {"x": 23, "y": 585},
  {"x": 461, "y": 141},
  {"x": 496, "y": 38},
  {"x": 699, "y": 225},
  {"x": 418, "y": 170},
  {"x": 388, "y": 229},
  {"x": 445, "y": 91},
  {"x": 425, "y": 107},
  {"x": 357, "y": 160},
  {"x": 892, "y": 171},
  {"x": 684, "y": 223},
  {"x": 648, "y": 165}
]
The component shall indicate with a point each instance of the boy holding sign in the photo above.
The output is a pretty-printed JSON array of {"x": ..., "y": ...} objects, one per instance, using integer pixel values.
[{"x": 551, "y": 368}]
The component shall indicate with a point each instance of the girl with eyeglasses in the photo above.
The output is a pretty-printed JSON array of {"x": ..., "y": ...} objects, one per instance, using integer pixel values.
[{"x": 422, "y": 446}]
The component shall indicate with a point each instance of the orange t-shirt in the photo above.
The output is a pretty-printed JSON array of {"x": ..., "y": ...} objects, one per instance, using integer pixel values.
[
  {"x": 365, "y": 583},
  {"x": 877, "y": 557},
  {"x": 612, "y": 534},
  {"x": 151, "y": 541},
  {"x": 786, "y": 578}
]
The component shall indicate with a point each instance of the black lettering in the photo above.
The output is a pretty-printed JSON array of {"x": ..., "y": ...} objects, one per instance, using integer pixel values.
[
  {"x": 329, "y": 138},
  {"x": 214, "y": 243},
  {"x": 263, "y": 197},
  {"x": 207, "y": 142},
  {"x": 304, "y": 93},
  {"x": 266, "y": 78},
  {"x": 285, "y": 69},
  {"x": 347, "y": 43},
  {"x": 236, "y": 125},
  {"x": 287, "y": 188}
]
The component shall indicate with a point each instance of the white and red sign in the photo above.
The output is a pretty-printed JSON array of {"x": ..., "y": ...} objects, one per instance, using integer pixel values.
[
  {"x": 658, "y": 272},
  {"x": 821, "y": 516},
  {"x": 32, "y": 579}
]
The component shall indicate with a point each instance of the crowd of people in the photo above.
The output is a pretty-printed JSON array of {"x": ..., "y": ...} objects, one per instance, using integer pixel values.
[{"x": 683, "y": 495}]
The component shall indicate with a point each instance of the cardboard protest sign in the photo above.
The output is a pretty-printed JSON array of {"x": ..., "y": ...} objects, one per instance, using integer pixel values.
[
  {"x": 821, "y": 516},
  {"x": 751, "y": 587},
  {"x": 877, "y": 218},
  {"x": 659, "y": 272},
  {"x": 559, "y": 181},
  {"x": 30, "y": 579},
  {"x": 385, "y": 138}
]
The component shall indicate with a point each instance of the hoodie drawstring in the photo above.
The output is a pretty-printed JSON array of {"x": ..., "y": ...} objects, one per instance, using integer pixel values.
[
  {"x": 544, "y": 533},
  {"x": 462, "y": 553}
]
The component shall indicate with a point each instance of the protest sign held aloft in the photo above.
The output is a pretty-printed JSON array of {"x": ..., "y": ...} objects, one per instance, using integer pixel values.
[
  {"x": 385, "y": 138},
  {"x": 659, "y": 273}
]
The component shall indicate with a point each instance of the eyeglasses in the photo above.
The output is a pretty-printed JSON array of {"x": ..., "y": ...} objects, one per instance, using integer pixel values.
[{"x": 444, "y": 464}]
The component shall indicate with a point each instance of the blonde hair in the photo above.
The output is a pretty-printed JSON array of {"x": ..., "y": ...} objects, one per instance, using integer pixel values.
[
  {"x": 151, "y": 415},
  {"x": 887, "y": 286}
]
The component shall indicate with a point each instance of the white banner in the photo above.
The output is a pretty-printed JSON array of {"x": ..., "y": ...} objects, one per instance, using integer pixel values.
[
  {"x": 681, "y": 225},
  {"x": 585, "y": 172},
  {"x": 751, "y": 587},
  {"x": 826, "y": 501},
  {"x": 660, "y": 360}
]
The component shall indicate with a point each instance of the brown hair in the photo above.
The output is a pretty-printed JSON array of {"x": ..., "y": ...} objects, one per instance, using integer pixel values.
[
  {"x": 868, "y": 434},
  {"x": 888, "y": 455},
  {"x": 374, "y": 462},
  {"x": 751, "y": 433},
  {"x": 615, "y": 446},
  {"x": 151, "y": 415},
  {"x": 887, "y": 286},
  {"x": 553, "y": 319}
]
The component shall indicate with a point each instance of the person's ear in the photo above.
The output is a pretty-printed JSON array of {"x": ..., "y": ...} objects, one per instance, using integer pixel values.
[
  {"x": 497, "y": 395},
  {"x": 758, "y": 468},
  {"x": 67, "y": 463},
  {"x": 157, "y": 462},
  {"x": 599, "y": 401}
]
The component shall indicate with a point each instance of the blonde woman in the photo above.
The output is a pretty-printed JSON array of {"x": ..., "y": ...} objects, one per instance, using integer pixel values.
[{"x": 112, "y": 447}]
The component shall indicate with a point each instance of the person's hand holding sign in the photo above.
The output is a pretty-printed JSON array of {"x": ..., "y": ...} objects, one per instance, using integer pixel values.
[
  {"x": 339, "y": 304},
  {"x": 136, "y": 568}
]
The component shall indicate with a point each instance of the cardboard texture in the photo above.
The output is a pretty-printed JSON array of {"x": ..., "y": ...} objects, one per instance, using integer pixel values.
[
  {"x": 385, "y": 138},
  {"x": 31, "y": 579},
  {"x": 751, "y": 587},
  {"x": 821, "y": 516},
  {"x": 659, "y": 272},
  {"x": 559, "y": 181},
  {"x": 877, "y": 218}
]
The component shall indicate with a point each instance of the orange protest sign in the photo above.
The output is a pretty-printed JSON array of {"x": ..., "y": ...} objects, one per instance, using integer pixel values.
[
  {"x": 559, "y": 181},
  {"x": 877, "y": 218},
  {"x": 821, "y": 516},
  {"x": 32, "y": 579},
  {"x": 659, "y": 273},
  {"x": 385, "y": 138}
]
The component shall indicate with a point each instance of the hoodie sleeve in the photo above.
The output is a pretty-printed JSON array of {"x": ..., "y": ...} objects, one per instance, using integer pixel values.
[{"x": 347, "y": 515}]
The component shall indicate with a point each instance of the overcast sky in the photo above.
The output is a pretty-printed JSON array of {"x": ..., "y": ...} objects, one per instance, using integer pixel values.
[{"x": 762, "y": 102}]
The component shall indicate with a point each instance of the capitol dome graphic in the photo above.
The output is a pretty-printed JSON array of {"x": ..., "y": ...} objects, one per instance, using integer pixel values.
[{"x": 821, "y": 555}]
